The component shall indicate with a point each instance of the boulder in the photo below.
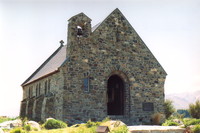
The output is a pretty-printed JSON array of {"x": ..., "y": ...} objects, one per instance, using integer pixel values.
[
  {"x": 11, "y": 124},
  {"x": 49, "y": 119},
  {"x": 113, "y": 123},
  {"x": 34, "y": 125}
]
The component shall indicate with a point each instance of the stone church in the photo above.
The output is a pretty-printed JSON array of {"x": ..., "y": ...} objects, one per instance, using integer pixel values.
[{"x": 102, "y": 71}]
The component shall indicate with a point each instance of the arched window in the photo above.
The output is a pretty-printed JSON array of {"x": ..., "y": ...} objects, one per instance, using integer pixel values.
[
  {"x": 49, "y": 85},
  {"x": 45, "y": 87},
  {"x": 38, "y": 89},
  {"x": 79, "y": 31}
]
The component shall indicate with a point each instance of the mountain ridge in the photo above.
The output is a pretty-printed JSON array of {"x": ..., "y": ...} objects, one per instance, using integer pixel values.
[{"x": 183, "y": 99}]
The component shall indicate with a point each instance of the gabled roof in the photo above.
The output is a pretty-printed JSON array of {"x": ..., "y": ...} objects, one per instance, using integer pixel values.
[
  {"x": 50, "y": 66},
  {"x": 120, "y": 13},
  {"x": 80, "y": 15},
  {"x": 58, "y": 58},
  {"x": 99, "y": 24}
]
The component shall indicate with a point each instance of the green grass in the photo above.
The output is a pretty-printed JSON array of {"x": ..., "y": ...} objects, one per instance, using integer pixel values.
[
  {"x": 88, "y": 127},
  {"x": 3, "y": 119},
  {"x": 196, "y": 129},
  {"x": 170, "y": 123},
  {"x": 81, "y": 129},
  {"x": 188, "y": 122}
]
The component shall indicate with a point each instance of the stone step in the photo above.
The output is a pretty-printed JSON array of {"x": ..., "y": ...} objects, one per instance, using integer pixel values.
[{"x": 155, "y": 129}]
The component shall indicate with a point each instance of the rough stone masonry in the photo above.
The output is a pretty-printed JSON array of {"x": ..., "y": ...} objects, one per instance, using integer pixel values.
[{"x": 105, "y": 70}]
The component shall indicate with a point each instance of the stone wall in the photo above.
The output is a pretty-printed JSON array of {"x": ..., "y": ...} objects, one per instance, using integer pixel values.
[
  {"x": 113, "y": 48},
  {"x": 42, "y": 106}
]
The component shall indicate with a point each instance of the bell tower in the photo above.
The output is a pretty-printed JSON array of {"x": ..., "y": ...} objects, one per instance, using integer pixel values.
[
  {"x": 79, "y": 26},
  {"x": 79, "y": 30}
]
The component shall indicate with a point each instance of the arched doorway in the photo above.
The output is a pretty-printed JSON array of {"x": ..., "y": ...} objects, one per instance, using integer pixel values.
[{"x": 115, "y": 93}]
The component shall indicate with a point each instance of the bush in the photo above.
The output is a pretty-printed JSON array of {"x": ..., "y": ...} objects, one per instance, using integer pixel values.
[
  {"x": 168, "y": 108},
  {"x": 24, "y": 120},
  {"x": 91, "y": 124},
  {"x": 16, "y": 130},
  {"x": 170, "y": 123},
  {"x": 156, "y": 118},
  {"x": 27, "y": 127},
  {"x": 120, "y": 129},
  {"x": 54, "y": 124},
  {"x": 106, "y": 119},
  {"x": 196, "y": 129},
  {"x": 189, "y": 122},
  {"x": 194, "y": 109}
]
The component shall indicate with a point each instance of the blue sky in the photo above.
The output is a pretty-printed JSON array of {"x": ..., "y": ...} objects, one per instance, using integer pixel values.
[{"x": 30, "y": 30}]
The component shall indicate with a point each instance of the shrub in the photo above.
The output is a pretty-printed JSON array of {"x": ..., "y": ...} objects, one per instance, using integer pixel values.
[
  {"x": 91, "y": 124},
  {"x": 106, "y": 119},
  {"x": 170, "y": 123},
  {"x": 194, "y": 109},
  {"x": 24, "y": 120},
  {"x": 54, "y": 124},
  {"x": 189, "y": 122},
  {"x": 120, "y": 129},
  {"x": 16, "y": 130},
  {"x": 168, "y": 108},
  {"x": 196, "y": 129},
  {"x": 27, "y": 127},
  {"x": 156, "y": 118}
]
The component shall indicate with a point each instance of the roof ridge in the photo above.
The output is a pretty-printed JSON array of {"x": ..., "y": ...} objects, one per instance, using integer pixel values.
[
  {"x": 43, "y": 64},
  {"x": 82, "y": 14},
  {"x": 97, "y": 26}
]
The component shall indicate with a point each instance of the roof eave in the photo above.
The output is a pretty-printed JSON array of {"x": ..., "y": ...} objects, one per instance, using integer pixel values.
[
  {"x": 44, "y": 76},
  {"x": 43, "y": 64}
]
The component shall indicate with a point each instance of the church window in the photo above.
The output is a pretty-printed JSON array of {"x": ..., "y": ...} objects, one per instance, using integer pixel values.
[
  {"x": 86, "y": 84},
  {"x": 38, "y": 89},
  {"x": 49, "y": 85},
  {"x": 30, "y": 92},
  {"x": 45, "y": 87},
  {"x": 79, "y": 31}
]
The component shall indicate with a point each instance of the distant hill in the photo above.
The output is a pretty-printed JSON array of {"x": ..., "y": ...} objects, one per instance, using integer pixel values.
[{"x": 182, "y": 100}]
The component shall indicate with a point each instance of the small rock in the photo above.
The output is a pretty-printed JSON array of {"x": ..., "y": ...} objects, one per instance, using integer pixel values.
[
  {"x": 11, "y": 124},
  {"x": 112, "y": 124},
  {"x": 49, "y": 119},
  {"x": 34, "y": 124}
]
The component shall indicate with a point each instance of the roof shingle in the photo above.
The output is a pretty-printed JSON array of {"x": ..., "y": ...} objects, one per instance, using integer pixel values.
[{"x": 50, "y": 65}]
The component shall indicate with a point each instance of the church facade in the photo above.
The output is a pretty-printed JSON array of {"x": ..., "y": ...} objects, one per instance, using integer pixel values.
[{"x": 105, "y": 70}]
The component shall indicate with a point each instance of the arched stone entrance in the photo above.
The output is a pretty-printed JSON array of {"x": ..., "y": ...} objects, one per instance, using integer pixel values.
[{"x": 115, "y": 95}]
